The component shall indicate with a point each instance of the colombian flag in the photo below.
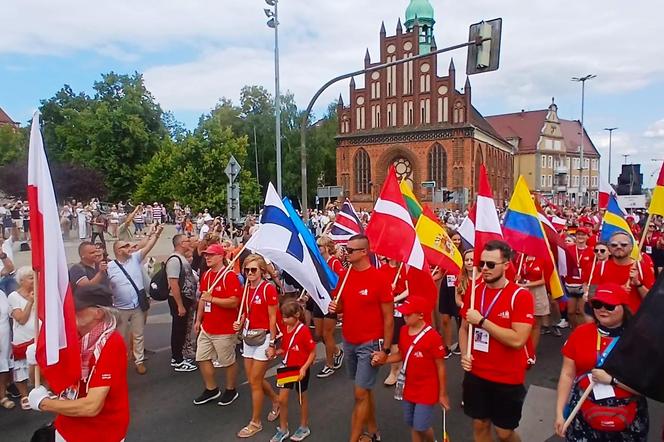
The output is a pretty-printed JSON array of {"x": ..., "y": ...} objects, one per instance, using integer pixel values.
[
  {"x": 614, "y": 222},
  {"x": 287, "y": 375},
  {"x": 657, "y": 201},
  {"x": 524, "y": 232}
]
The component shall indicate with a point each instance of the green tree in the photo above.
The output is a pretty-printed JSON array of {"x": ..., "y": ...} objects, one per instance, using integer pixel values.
[{"x": 13, "y": 144}]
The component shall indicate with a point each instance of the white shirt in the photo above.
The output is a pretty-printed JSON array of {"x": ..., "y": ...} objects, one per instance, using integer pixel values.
[
  {"x": 124, "y": 294},
  {"x": 25, "y": 332},
  {"x": 7, "y": 247},
  {"x": 204, "y": 231}
]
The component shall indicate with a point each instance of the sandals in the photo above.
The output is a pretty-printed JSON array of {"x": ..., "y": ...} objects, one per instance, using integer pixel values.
[
  {"x": 251, "y": 429},
  {"x": 25, "y": 404},
  {"x": 7, "y": 403},
  {"x": 274, "y": 413}
]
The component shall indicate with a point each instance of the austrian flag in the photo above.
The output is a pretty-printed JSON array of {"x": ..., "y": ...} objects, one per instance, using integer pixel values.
[{"x": 58, "y": 351}]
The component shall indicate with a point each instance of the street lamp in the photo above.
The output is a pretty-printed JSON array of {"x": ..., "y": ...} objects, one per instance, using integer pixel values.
[
  {"x": 273, "y": 23},
  {"x": 582, "y": 80},
  {"x": 610, "y": 129}
]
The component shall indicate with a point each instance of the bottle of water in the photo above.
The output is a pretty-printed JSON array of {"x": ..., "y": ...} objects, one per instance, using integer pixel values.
[{"x": 398, "y": 387}]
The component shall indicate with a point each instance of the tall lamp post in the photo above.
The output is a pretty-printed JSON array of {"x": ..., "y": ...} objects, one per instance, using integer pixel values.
[
  {"x": 582, "y": 80},
  {"x": 273, "y": 22},
  {"x": 610, "y": 129}
]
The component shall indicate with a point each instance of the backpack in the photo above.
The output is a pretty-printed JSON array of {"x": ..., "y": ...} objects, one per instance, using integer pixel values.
[{"x": 159, "y": 289}]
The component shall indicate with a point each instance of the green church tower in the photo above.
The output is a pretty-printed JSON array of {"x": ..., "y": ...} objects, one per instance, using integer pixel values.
[{"x": 420, "y": 13}]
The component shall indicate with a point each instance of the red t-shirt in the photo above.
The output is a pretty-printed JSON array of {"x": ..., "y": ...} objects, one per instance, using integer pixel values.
[
  {"x": 581, "y": 347},
  {"x": 111, "y": 424},
  {"x": 587, "y": 270},
  {"x": 389, "y": 273},
  {"x": 532, "y": 270},
  {"x": 362, "y": 298},
  {"x": 652, "y": 242},
  {"x": 219, "y": 320},
  {"x": 422, "y": 385},
  {"x": 258, "y": 300},
  {"x": 582, "y": 258},
  {"x": 501, "y": 363},
  {"x": 335, "y": 264},
  {"x": 297, "y": 352},
  {"x": 619, "y": 274}
]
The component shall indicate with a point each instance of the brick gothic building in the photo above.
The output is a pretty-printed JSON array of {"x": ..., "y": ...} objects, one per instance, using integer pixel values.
[{"x": 409, "y": 116}]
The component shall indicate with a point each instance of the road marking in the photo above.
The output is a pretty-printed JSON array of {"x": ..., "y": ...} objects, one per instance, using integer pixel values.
[{"x": 539, "y": 411}]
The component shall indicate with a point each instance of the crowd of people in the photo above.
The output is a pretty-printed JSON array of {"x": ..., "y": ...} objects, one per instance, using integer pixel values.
[{"x": 219, "y": 292}]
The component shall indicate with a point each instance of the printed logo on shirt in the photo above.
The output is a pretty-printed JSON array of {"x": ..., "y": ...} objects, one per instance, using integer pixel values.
[
  {"x": 217, "y": 288},
  {"x": 529, "y": 316},
  {"x": 257, "y": 300},
  {"x": 295, "y": 347},
  {"x": 504, "y": 314},
  {"x": 106, "y": 376},
  {"x": 364, "y": 292},
  {"x": 418, "y": 354}
]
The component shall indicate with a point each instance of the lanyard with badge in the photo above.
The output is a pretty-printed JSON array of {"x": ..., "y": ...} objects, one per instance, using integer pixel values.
[
  {"x": 401, "y": 377},
  {"x": 603, "y": 391},
  {"x": 481, "y": 336}
]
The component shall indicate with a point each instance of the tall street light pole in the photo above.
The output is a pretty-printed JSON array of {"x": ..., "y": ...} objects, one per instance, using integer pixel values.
[
  {"x": 610, "y": 129},
  {"x": 582, "y": 80},
  {"x": 273, "y": 22}
]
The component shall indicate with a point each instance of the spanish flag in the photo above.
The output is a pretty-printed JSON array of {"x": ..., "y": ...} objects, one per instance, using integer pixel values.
[
  {"x": 286, "y": 375},
  {"x": 439, "y": 249},
  {"x": 657, "y": 201}
]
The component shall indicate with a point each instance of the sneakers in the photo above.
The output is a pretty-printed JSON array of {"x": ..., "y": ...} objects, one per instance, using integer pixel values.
[
  {"x": 300, "y": 434},
  {"x": 556, "y": 331},
  {"x": 216, "y": 364},
  {"x": 563, "y": 323},
  {"x": 280, "y": 435},
  {"x": 391, "y": 379},
  {"x": 228, "y": 397},
  {"x": 207, "y": 396},
  {"x": 185, "y": 366},
  {"x": 326, "y": 372},
  {"x": 338, "y": 360},
  {"x": 545, "y": 331},
  {"x": 448, "y": 352},
  {"x": 140, "y": 368},
  {"x": 456, "y": 350},
  {"x": 173, "y": 363}
]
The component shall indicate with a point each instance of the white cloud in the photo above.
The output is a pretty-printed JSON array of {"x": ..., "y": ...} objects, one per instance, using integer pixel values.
[{"x": 655, "y": 130}]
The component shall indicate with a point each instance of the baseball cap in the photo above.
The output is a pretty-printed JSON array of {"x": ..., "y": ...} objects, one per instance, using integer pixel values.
[
  {"x": 584, "y": 230},
  {"x": 93, "y": 295},
  {"x": 414, "y": 304},
  {"x": 215, "y": 249},
  {"x": 610, "y": 293}
]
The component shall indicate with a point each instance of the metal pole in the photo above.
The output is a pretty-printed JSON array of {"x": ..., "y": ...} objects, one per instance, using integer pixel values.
[
  {"x": 277, "y": 98},
  {"x": 305, "y": 117},
  {"x": 610, "y": 129},
  {"x": 583, "y": 97},
  {"x": 256, "y": 156}
]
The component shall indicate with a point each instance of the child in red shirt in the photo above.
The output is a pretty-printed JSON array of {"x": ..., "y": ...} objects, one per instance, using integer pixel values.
[{"x": 299, "y": 350}]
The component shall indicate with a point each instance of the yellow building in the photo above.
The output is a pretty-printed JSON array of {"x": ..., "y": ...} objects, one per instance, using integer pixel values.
[{"x": 548, "y": 155}]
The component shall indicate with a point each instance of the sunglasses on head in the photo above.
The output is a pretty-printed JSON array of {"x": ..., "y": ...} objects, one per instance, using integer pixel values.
[
  {"x": 251, "y": 270},
  {"x": 351, "y": 250},
  {"x": 124, "y": 246},
  {"x": 599, "y": 305},
  {"x": 618, "y": 244},
  {"x": 600, "y": 250},
  {"x": 489, "y": 264}
]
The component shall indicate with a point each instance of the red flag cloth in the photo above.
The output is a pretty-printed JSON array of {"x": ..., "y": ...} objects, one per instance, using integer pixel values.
[
  {"x": 58, "y": 350},
  {"x": 487, "y": 224},
  {"x": 391, "y": 231}
]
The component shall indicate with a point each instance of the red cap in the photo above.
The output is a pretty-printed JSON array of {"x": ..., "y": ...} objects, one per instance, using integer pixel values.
[
  {"x": 215, "y": 249},
  {"x": 414, "y": 304},
  {"x": 584, "y": 230},
  {"x": 611, "y": 294},
  {"x": 586, "y": 220}
]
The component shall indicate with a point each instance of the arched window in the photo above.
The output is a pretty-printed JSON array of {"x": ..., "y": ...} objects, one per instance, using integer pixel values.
[
  {"x": 438, "y": 165},
  {"x": 362, "y": 166}
]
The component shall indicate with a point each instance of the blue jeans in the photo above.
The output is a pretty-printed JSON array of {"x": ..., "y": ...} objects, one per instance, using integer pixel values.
[
  {"x": 358, "y": 363},
  {"x": 8, "y": 283}
]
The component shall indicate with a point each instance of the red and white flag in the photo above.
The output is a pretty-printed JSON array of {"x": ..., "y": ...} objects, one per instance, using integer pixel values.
[
  {"x": 487, "y": 224},
  {"x": 58, "y": 350},
  {"x": 605, "y": 190},
  {"x": 391, "y": 231},
  {"x": 467, "y": 227}
]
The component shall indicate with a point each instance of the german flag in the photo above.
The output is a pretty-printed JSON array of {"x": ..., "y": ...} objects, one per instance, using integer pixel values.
[{"x": 286, "y": 375}]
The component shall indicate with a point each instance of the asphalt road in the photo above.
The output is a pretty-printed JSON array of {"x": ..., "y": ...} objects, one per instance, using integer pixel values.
[{"x": 162, "y": 409}]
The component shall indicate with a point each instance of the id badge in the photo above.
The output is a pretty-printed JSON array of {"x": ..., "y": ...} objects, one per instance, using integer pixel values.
[
  {"x": 481, "y": 340},
  {"x": 208, "y": 307},
  {"x": 602, "y": 391},
  {"x": 649, "y": 250},
  {"x": 451, "y": 280}
]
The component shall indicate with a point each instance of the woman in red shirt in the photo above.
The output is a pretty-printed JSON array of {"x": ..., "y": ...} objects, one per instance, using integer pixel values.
[
  {"x": 586, "y": 347},
  {"x": 653, "y": 245},
  {"x": 258, "y": 325},
  {"x": 396, "y": 274},
  {"x": 532, "y": 278}
]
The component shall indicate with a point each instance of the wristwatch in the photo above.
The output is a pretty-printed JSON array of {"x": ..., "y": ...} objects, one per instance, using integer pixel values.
[
  {"x": 614, "y": 381},
  {"x": 481, "y": 323},
  {"x": 387, "y": 351}
]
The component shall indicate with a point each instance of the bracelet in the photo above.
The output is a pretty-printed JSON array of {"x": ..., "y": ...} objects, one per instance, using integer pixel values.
[
  {"x": 638, "y": 286},
  {"x": 614, "y": 381},
  {"x": 479, "y": 324}
]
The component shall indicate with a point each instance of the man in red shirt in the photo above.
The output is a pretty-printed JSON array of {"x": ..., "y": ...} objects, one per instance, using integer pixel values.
[
  {"x": 366, "y": 302},
  {"x": 636, "y": 277},
  {"x": 583, "y": 254},
  {"x": 217, "y": 310},
  {"x": 97, "y": 409},
  {"x": 502, "y": 316}
]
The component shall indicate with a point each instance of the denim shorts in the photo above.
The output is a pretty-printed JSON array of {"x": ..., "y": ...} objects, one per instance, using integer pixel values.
[
  {"x": 358, "y": 363},
  {"x": 418, "y": 416}
]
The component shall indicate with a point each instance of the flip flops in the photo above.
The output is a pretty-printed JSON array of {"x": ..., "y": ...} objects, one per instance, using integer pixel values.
[
  {"x": 274, "y": 413},
  {"x": 250, "y": 430},
  {"x": 7, "y": 403}
]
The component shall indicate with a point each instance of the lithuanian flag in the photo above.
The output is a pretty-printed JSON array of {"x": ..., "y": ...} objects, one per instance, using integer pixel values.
[
  {"x": 439, "y": 249},
  {"x": 286, "y": 375},
  {"x": 414, "y": 206}
]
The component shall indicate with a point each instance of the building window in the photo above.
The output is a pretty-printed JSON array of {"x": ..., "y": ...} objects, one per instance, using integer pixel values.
[
  {"x": 549, "y": 180},
  {"x": 586, "y": 163},
  {"x": 438, "y": 165},
  {"x": 550, "y": 161},
  {"x": 408, "y": 76},
  {"x": 594, "y": 181},
  {"x": 585, "y": 181},
  {"x": 543, "y": 181},
  {"x": 425, "y": 83},
  {"x": 391, "y": 77},
  {"x": 391, "y": 114},
  {"x": 543, "y": 161},
  {"x": 594, "y": 164},
  {"x": 375, "y": 116},
  {"x": 575, "y": 181},
  {"x": 459, "y": 112},
  {"x": 362, "y": 172},
  {"x": 557, "y": 145}
]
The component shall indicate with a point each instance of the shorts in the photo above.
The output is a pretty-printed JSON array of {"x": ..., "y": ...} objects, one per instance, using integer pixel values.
[
  {"x": 216, "y": 347},
  {"x": 446, "y": 301},
  {"x": 257, "y": 353},
  {"x": 399, "y": 322},
  {"x": 541, "y": 300},
  {"x": 318, "y": 313},
  {"x": 304, "y": 384},
  {"x": 21, "y": 370},
  {"x": 418, "y": 416},
  {"x": 499, "y": 403},
  {"x": 574, "y": 290},
  {"x": 358, "y": 363}
]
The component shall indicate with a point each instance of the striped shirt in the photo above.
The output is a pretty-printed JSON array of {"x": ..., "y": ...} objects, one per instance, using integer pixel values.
[{"x": 156, "y": 213}]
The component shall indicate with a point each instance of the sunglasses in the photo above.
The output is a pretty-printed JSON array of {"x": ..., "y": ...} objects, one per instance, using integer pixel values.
[
  {"x": 618, "y": 244},
  {"x": 351, "y": 250},
  {"x": 125, "y": 246},
  {"x": 489, "y": 264},
  {"x": 250, "y": 270},
  {"x": 600, "y": 250},
  {"x": 599, "y": 305}
]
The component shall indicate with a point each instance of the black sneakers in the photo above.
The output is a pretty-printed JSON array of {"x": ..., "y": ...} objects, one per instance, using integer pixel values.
[
  {"x": 338, "y": 360},
  {"x": 207, "y": 396},
  {"x": 228, "y": 397}
]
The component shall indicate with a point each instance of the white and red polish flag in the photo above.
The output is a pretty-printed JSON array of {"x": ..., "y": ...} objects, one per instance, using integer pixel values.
[
  {"x": 58, "y": 350},
  {"x": 391, "y": 231},
  {"x": 605, "y": 190},
  {"x": 487, "y": 224}
]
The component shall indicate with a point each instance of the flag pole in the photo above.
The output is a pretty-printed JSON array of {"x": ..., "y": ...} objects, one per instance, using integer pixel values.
[
  {"x": 643, "y": 235},
  {"x": 35, "y": 297},
  {"x": 343, "y": 284},
  {"x": 518, "y": 273},
  {"x": 242, "y": 302},
  {"x": 299, "y": 390},
  {"x": 228, "y": 268},
  {"x": 396, "y": 277},
  {"x": 592, "y": 272},
  {"x": 472, "y": 306},
  {"x": 576, "y": 409}
]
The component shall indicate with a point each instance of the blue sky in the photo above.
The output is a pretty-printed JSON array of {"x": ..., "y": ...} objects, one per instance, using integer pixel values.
[{"x": 194, "y": 52}]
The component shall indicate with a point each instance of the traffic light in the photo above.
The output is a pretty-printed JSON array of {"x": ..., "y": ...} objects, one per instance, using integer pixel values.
[{"x": 448, "y": 195}]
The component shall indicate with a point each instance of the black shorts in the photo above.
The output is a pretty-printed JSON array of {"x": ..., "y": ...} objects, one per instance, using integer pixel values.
[
  {"x": 398, "y": 323},
  {"x": 574, "y": 292},
  {"x": 500, "y": 403},
  {"x": 318, "y": 313},
  {"x": 304, "y": 384},
  {"x": 446, "y": 301}
]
